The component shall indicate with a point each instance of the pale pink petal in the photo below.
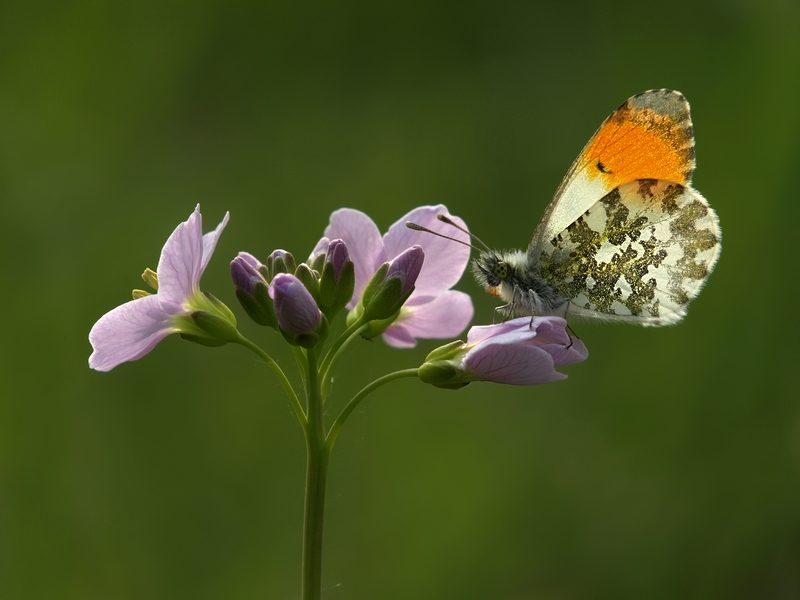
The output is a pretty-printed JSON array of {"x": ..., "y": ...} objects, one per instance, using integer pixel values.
[
  {"x": 445, "y": 316},
  {"x": 566, "y": 354},
  {"x": 128, "y": 332},
  {"x": 210, "y": 242},
  {"x": 518, "y": 326},
  {"x": 322, "y": 246},
  {"x": 546, "y": 330},
  {"x": 399, "y": 337},
  {"x": 445, "y": 260},
  {"x": 363, "y": 241},
  {"x": 514, "y": 364},
  {"x": 179, "y": 267}
]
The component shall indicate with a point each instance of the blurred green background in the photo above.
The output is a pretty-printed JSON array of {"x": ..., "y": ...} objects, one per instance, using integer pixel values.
[{"x": 666, "y": 466}]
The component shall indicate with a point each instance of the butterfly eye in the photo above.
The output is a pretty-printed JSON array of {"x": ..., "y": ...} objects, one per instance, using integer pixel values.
[{"x": 501, "y": 270}]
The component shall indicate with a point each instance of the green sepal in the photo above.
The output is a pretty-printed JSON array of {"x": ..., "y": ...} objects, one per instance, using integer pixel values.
[
  {"x": 221, "y": 307},
  {"x": 327, "y": 287},
  {"x": 378, "y": 326},
  {"x": 202, "y": 340},
  {"x": 217, "y": 328},
  {"x": 374, "y": 284},
  {"x": 318, "y": 261},
  {"x": 346, "y": 285},
  {"x": 355, "y": 314},
  {"x": 387, "y": 300},
  {"x": 258, "y": 305},
  {"x": 281, "y": 263},
  {"x": 446, "y": 352},
  {"x": 334, "y": 295},
  {"x": 310, "y": 279},
  {"x": 442, "y": 374},
  {"x": 308, "y": 340}
]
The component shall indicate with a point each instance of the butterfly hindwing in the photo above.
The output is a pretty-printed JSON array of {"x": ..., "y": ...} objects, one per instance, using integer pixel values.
[{"x": 639, "y": 254}]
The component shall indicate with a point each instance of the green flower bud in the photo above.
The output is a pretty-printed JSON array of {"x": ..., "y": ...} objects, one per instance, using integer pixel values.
[
  {"x": 338, "y": 279},
  {"x": 252, "y": 290},
  {"x": 391, "y": 286},
  {"x": 280, "y": 261}
]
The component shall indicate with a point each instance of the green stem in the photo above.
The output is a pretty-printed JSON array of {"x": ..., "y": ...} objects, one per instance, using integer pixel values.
[
  {"x": 327, "y": 374},
  {"x": 337, "y": 425},
  {"x": 316, "y": 477},
  {"x": 298, "y": 409},
  {"x": 334, "y": 352},
  {"x": 302, "y": 365}
]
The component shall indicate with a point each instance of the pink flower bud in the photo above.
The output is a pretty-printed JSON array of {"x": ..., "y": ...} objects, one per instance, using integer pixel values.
[{"x": 295, "y": 308}]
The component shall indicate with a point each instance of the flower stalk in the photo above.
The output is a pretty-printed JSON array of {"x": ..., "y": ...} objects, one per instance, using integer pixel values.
[{"x": 316, "y": 478}]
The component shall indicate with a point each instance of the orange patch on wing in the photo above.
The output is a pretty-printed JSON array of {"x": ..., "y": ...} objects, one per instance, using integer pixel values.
[{"x": 640, "y": 144}]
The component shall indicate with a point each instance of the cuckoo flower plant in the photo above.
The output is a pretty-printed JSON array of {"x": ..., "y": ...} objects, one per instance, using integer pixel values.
[{"x": 396, "y": 285}]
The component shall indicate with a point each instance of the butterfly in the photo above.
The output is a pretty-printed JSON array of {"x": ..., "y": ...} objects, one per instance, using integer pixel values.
[{"x": 626, "y": 237}]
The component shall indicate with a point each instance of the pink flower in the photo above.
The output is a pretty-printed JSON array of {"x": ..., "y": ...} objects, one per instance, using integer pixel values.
[
  {"x": 517, "y": 352},
  {"x": 133, "y": 329},
  {"x": 433, "y": 310}
]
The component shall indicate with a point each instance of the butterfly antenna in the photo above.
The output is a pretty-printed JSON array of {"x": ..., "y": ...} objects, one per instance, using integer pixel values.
[
  {"x": 416, "y": 227},
  {"x": 444, "y": 219}
]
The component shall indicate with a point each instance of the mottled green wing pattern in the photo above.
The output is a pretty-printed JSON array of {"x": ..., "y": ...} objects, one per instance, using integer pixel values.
[{"x": 639, "y": 254}]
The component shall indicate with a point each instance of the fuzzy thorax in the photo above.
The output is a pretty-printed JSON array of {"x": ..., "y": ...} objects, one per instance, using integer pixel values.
[{"x": 510, "y": 276}]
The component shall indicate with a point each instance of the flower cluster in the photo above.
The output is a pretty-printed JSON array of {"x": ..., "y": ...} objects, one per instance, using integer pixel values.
[{"x": 390, "y": 285}]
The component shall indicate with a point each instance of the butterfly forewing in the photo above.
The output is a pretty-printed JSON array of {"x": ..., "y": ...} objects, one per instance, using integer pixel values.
[
  {"x": 640, "y": 253},
  {"x": 648, "y": 137}
]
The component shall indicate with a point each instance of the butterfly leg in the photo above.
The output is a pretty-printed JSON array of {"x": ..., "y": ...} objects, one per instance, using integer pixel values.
[
  {"x": 566, "y": 303},
  {"x": 507, "y": 310},
  {"x": 530, "y": 303}
]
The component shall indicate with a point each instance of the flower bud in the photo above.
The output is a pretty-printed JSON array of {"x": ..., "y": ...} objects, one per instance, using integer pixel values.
[
  {"x": 245, "y": 273},
  {"x": 338, "y": 278},
  {"x": 308, "y": 278},
  {"x": 300, "y": 320},
  {"x": 252, "y": 290},
  {"x": 280, "y": 261},
  {"x": 317, "y": 258},
  {"x": 393, "y": 283}
]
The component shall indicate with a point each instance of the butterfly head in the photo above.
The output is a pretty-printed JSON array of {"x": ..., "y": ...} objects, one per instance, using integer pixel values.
[{"x": 490, "y": 271}]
